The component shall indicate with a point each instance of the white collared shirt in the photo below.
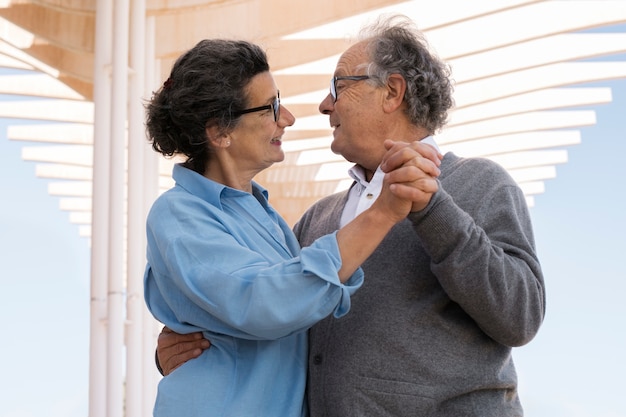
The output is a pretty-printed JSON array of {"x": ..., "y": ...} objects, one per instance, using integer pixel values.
[{"x": 363, "y": 193}]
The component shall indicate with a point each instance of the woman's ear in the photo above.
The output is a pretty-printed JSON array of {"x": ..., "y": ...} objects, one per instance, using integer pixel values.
[
  {"x": 217, "y": 137},
  {"x": 396, "y": 87}
]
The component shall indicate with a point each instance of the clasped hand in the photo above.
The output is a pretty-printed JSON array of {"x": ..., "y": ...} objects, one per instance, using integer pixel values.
[{"x": 411, "y": 171}]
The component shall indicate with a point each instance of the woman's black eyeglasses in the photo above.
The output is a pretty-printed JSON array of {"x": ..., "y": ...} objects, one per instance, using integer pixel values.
[
  {"x": 275, "y": 106},
  {"x": 333, "y": 82}
]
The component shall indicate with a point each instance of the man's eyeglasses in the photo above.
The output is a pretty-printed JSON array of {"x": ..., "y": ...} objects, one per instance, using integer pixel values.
[
  {"x": 333, "y": 82},
  {"x": 275, "y": 106}
]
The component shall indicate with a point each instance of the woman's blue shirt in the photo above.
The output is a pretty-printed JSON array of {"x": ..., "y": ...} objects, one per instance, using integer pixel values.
[{"x": 223, "y": 262}]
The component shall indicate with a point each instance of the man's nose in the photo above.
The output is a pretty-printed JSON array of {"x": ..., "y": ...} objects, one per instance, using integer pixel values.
[{"x": 327, "y": 105}]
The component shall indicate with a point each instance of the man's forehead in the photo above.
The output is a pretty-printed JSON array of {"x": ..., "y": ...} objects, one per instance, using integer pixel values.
[{"x": 352, "y": 58}]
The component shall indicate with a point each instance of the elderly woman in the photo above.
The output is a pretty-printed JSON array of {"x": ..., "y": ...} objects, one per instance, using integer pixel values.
[{"x": 223, "y": 262}]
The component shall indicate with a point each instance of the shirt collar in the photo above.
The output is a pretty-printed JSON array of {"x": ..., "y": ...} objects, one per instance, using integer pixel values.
[
  {"x": 430, "y": 140},
  {"x": 209, "y": 190}
]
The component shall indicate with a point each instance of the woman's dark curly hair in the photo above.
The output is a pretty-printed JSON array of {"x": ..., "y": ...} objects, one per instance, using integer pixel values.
[
  {"x": 397, "y": 47},
  {"x": 205, "y": 87}
]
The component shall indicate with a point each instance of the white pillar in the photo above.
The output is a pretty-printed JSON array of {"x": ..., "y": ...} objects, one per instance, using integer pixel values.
[
  {"x": 117, "y": 142},
  {"x": 100, "y": 212},
  {"x": 136, "y": 241},
  {"x": 150, "y": 192}
]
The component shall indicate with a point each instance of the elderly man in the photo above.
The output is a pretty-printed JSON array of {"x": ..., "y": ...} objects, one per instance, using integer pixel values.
[{"x": 450, "y": 290}]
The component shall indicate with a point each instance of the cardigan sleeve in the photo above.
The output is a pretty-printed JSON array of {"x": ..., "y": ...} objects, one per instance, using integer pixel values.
[{"x": 478, "y": 234}]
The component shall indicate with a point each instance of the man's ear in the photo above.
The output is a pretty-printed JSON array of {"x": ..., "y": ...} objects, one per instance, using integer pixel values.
[
  {"x": 217, "y": 137},
  {"x": 396, "y": 86}
]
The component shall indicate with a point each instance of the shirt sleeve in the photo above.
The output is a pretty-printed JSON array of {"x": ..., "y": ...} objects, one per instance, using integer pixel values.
[{"x": 203, "y": 276}]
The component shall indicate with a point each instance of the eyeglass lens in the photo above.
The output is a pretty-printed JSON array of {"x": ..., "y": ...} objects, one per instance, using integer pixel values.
[
  {"x": 276, "y": 107},
  {"x": 333, "y": 82}
]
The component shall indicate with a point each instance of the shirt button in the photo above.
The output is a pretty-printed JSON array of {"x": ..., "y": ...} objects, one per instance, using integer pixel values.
[{"x": 317, "y": 359}]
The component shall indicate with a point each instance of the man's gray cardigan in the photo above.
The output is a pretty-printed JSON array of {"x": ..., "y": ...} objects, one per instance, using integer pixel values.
[{"x": 446, "y": 295}]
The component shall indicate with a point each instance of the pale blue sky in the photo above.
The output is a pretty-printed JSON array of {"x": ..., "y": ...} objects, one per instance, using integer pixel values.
[
  {"x": 574, "y": 367},
  {"x": 44, "y": 297}
]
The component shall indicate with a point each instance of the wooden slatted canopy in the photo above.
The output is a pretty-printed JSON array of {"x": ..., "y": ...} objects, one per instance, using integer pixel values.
[{"x": 509, "y": 76}]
